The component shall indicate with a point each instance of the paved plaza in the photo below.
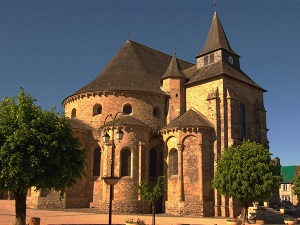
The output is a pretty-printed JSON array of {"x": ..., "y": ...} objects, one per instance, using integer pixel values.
[
  {"x": 7, "y": 217},
  {"x": 91, "y": 217}
]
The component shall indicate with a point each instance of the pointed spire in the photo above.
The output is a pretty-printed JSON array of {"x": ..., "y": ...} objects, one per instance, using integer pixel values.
[
  {"x": 216, "y": 38},
  {"x": 174, "y": 69}
]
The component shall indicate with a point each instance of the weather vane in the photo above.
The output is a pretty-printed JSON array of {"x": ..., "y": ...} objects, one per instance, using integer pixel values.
[{"x": 215, "y": 5}]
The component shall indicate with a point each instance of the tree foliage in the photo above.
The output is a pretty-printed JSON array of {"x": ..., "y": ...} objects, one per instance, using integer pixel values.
[
  {"x": 37, "y": 149},
  {"x": 152, "y": 195},
  {"x": 247, "y": 173},
  {"x": 296, "y": 185}
]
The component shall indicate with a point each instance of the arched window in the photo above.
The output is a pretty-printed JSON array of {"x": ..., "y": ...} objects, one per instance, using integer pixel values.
[
  {"x": 173, "y": 163},
  {"x": 97, "y": 109},
  {"x": 242, "y": 121},
  {"x": 127, "y": 109},
  {"x": 73, "y": 113},
  {"x": 153, "y": 160},
  {"x": 125, "y": 162},
  {"x": 97, "y": 161}
]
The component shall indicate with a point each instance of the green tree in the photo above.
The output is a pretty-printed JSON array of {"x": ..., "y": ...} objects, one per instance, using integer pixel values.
[
  {"x": 296, "y": 185},
  {"x": 152, "y": 195},
  {"x": 37, "y": 149},
  {"x": 247, "y": 173}
]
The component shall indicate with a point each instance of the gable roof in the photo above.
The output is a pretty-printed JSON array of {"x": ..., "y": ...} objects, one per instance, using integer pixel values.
[
  {"x": 135, "y": 67},
  {"x": 216, "y": 38},
  {"x": 190, "y": 119},
  {"x": 288, "y": 173}
]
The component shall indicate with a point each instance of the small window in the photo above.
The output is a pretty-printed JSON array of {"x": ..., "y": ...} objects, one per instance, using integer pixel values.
[
  {"x": 205, "y": 60},
  {"x": 127, "y": 109},
  {"x": 97, "y": 161},
  {"x": 153, "y": 160},
  {"x": 173, "y": 163},
  {"x": 125, "y": 162},
  {"x": 73, "y": 113},
  {"x": 156, "y": 112},
  {"x": 97, "y": 110},
  {"x": 211, "y": 58}
]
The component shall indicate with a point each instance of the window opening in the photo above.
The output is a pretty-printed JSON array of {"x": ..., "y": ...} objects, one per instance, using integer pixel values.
[
  {"x": 153, "y": 160},
  {"x": 173, "y": 162},
  {"x": 205, "y": 60},
  {"x": 97, "y": 162},
  {"x": 97, "y": 110},
  {"x": 73, "y": 113},
  {"x": 125, "y": 162},
  {"x": 242, "y": 120},
  {"x": 127, "y": 109}
]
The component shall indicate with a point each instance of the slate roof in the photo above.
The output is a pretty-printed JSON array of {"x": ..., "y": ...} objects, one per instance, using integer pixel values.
[
  {"x": 189, "y": 119},
  {"x": 126, "y": 121},
  {"x": 134, "y": 68},
  {"x": 216, "y": 69},
  {"x": 174, "y": 70},
  {"x": 78, "y": 124},
  {"x": 216, "y": 38}
]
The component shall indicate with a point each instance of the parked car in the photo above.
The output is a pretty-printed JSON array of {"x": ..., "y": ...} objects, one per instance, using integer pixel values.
[
  {"x": 288, "y": 209},
  {"x": 286, "y": 202}
]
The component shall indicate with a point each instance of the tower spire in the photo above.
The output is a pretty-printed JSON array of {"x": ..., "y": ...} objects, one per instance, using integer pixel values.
[{"x": 216, "y": 38}]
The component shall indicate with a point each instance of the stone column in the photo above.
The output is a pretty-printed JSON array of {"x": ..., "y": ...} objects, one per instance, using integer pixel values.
[
  {"x": 201, "y": 172},
  {"x": 180, "y": 171}
]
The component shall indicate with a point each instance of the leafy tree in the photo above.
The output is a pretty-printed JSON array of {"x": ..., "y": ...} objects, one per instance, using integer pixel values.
[
  {"x": 296, "y": 185},
  {"x": 247, "y": 173},
  {"x": 152, "y": 196},
  {"x": 37, "y": 149}
]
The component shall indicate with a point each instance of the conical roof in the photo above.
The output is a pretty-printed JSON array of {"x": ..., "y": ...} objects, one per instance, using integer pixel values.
[
  {"x": 134, "y": 68},
  {"x": 174, "y": 69},
  {"x": 216, "y": 38}
]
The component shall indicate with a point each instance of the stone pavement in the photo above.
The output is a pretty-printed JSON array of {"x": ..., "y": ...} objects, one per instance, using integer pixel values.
[
  {"x": 91, "y": 217},
  {"x": 7, "y": 217}
]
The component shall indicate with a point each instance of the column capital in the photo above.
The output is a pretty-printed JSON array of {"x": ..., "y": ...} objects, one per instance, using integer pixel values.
[{"x": 180, "y": 147}]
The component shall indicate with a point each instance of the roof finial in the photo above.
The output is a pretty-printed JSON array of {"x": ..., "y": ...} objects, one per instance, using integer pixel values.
[
  {"x": 174, "y": 51},
  {"x": 128, "y": 35},
  {"x": 215, "y": 5}
]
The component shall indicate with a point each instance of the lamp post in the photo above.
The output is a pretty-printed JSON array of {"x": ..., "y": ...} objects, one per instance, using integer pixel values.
[{"x": 112, "y": 180}]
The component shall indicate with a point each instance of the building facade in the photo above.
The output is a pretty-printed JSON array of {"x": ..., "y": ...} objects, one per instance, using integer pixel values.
[
  {"x": 286, "y": 191},
  {"x": 177, "y": 117}
]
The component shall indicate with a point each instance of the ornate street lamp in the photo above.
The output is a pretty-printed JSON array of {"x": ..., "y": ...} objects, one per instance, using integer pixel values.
[{"x": 112, "y": 180}]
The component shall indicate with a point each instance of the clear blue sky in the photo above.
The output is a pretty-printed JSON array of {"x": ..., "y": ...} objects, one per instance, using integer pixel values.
[{"x": 53, "y": 48}]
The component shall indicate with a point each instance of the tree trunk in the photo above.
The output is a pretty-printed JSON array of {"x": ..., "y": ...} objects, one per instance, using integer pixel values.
[
  {"x": 153, "y": 213},
  {"x": 20, "y": 207},
  {"x": 245, "y": 212}
]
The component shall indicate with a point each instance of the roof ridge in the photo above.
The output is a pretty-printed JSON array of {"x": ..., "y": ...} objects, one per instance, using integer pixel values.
[{"x": 152, "y": 49}]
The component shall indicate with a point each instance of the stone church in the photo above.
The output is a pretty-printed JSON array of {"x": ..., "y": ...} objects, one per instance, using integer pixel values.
[{"x": 177, "y": 117}]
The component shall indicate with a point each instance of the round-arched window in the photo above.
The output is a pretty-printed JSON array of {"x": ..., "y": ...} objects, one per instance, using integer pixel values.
[
  {"x": 97, "y": 109},
  {"x": 127, "y": 109},
  {"x": 73, "y": 113}
]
